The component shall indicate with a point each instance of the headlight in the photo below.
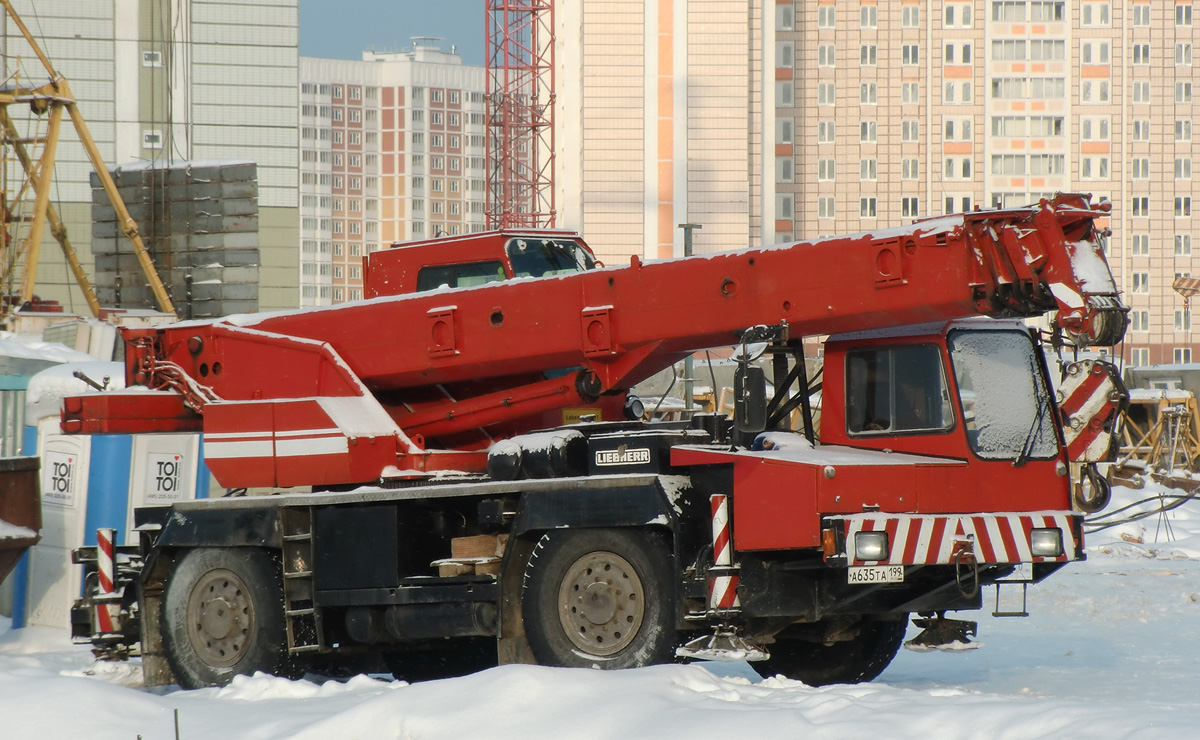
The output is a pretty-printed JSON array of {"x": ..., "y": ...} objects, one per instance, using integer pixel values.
[
  {"x": 1046, "y": 543},
  {"x": 871, "y": 545}
]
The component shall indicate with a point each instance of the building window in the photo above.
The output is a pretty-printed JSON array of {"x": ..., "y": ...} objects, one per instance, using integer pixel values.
[
  {"x": 1139, "y": 321},
  {"x": 908, "y": 207},
  {"x": 825, "y": 131},
  {"x": 1096, "y": 52},
  {"x": 910, "y": 16},
  {"x": 868, "y": 16},
  {"x": 785, "y": 18},
  {"x": 1141, "y": 282},
  {"x": 1141, "y": 130},
  {"x": 1183, "y": 92},
  {"x": 1140, "y": 168},
  {"x": 961, "y": 126},
  {"x": 1055, "y": 51},
  {"x": 1008, "y": 164},
  {"x": 1183, "y": 245},
  {"x": 1140, "y": 245},
  {"x": 910, "y": 131},
  {"x": 785, "y": 53},
  {"x": 1139, "y": 357},
  {"x": 1093, "y": 129},
  {"x": 785, "y": 206},
  {"x": 1182, "y": 355},
  {"x": 826, "y": 55},
  {"x": 1183, "y": 129},
  {"x": 783, "y": 169},
  {"x": 868, "y": 54},
  {"x": 956, "y": 16},
  {"x": 910, "y": 92},
  {"x": 152, "y": 139},
  {"x": 1141, "y": 15},
  {"x": 868, "y": 169},
  {"x": 867, "y": 132},
  {"x": 1009, "y": 10},
  {"x": 1093, "y": 168},
  {"x": 1141, "y": 53},
  {"x": 866, "y": 207},
  {"x": 825, "y": 93},
  {"x": 910, "y": 53},
  {"x": 826, "y": 170},
  {"x": 783, "y": 130},
  {"x": 1094, "y": 14},
  {"x": 908, "y": 169},
  {"x": 1183, "y": 206},
  {"x": 825, "y": 207},
  {"x": 868, "y": 93},
  {"x": 1183, "y": 53},
  {"x": 825, "y": 16},
  {"x": 783, "y": 93},
  {"x": 1090, "y": 91},
  {"x": 1140, "y": 206},
  {"x": 1183, "y": 168},
  {"x": 152, "y": 59},
  {"x": 1183, "y": 14},
  {"x": 1141, "y": 92},
  {"x": 1009, "y": 50}
]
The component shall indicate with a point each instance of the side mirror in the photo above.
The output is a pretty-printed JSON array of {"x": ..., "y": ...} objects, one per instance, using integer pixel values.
[{"x": 750, "y": 399}]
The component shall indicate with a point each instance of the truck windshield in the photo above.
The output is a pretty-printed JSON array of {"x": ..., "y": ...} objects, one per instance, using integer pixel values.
[
  {"x": 1006, "y": 405},
  {"x": 533, "y": 257}
]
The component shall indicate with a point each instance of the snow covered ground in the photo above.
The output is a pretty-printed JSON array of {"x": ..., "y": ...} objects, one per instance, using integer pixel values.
[{"x": 1109, "y": 651}]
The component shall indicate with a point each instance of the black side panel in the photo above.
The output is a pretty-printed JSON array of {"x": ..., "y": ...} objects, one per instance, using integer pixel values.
[
  {"x": 619, "y": 506},
  {"x": 356, "y": 547},
  {"x": 258, "y": 527}
]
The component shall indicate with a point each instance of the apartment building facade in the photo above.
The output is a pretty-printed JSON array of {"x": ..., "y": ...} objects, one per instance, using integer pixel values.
[
  {"x": 888, "y": 111},
  {"x": 392, "y": 149},
  {"x": 163, "y": 82}
]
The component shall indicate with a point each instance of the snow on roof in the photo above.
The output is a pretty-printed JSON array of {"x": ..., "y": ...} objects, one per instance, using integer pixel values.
[
  {"x": 16, "y": 345},
  {"x": 48, "y": 388}
]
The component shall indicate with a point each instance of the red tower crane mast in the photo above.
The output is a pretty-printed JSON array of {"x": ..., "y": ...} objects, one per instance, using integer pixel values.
[{"x": 520, "y": 115}]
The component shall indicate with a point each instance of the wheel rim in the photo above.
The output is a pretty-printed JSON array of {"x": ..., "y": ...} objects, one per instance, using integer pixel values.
[
  {"x": 601, "y": 603},
  {"x": 220, "y": 618}
]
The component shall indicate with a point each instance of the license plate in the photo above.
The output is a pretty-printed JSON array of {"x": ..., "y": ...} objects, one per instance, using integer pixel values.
[{"x": 866, "y": 574}]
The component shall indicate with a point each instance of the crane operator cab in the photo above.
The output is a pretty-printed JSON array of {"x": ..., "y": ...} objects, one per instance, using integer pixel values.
[{"x": 472, "y": 260}]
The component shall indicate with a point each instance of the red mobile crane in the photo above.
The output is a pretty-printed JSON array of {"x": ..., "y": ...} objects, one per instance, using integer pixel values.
[{"x": 441, "y": 517}]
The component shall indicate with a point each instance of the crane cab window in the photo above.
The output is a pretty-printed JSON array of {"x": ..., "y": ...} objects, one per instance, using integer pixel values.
[
  {"x": 466, "y": 275},
  {"x": 897, "y": 390},
  {"x": 531, "y": 257}
]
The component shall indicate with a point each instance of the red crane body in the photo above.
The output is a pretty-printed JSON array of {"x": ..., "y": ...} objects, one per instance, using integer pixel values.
[{"x": 350, "y": 393}]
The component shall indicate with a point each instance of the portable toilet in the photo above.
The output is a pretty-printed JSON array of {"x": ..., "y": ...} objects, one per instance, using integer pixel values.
[{"x": 91, "y": 482}]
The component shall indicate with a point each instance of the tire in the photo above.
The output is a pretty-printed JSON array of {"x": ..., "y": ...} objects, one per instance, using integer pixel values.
[
  {"x": 222, "y": 615},
  {"x": 600, "y": 598},
  {"x": 859, "y": 659}
]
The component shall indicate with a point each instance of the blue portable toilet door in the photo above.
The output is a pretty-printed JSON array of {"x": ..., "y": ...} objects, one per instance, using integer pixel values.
[
  {"x": 53, "y": 583},
  {"x": 163, "y": 471}
]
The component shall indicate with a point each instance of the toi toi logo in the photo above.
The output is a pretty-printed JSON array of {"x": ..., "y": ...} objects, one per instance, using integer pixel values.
[{"x": 167, "y": 476}]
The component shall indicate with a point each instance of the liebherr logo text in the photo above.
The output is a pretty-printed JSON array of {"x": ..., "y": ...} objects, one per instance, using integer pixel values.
[{"x": 623, "y": 457}]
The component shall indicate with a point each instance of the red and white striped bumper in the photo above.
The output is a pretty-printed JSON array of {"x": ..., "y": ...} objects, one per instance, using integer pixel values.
[{"x": 943, "y": 539}]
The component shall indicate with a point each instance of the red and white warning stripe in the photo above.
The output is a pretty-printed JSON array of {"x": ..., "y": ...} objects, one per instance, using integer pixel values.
[
  {"x": 104, "y": 572},
  {"x": 933, "y": 539},
  {"x": 1090, "y": 399},
  {"x": 722, "y": 578}
]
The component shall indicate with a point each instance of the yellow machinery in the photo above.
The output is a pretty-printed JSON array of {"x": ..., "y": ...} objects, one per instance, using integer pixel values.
[{"x": 52, "y": 98}]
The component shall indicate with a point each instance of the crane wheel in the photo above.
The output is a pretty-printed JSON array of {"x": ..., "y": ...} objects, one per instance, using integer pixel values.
[
  {"x": 222, "y": 615},
  {"x": 799, "y": 653},
  {"x": 600, "y": 598}
]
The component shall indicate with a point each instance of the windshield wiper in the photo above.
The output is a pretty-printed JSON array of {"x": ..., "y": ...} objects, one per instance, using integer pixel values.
[{"x": 1036, "y": 427}]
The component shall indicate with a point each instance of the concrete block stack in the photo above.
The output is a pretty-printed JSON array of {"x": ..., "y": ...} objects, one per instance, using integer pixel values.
[{"x": 197, "y": 220}]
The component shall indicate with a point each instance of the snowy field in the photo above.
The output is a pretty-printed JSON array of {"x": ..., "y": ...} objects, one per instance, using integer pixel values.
[{"x": 1109, "y": 651}]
